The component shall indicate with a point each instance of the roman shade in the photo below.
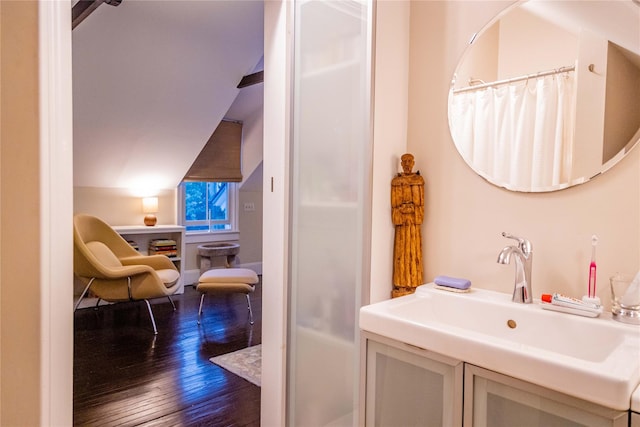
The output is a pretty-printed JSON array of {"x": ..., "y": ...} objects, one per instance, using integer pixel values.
[{"x": 220, "y": 158}]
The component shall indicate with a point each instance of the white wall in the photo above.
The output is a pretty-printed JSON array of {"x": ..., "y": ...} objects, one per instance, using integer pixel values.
[
  {"x": 250, "y": 221},
  {"x": 465, "y": 215},
  {"x": 390, "y": 133},
  {"x": 520, "y": 28},
  {"x": 251, "y": 102},
  {"x": 122, "y": 206}
]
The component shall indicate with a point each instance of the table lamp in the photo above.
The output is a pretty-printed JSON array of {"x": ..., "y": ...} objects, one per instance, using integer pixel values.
[{"x": 150, "y": 207}]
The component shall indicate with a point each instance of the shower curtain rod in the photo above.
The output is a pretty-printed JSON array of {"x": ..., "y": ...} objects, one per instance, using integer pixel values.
[{"x": 517, "y": 79}]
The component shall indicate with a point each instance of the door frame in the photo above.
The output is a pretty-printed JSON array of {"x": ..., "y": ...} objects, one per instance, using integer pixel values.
[{"x": 56, "y": 212}]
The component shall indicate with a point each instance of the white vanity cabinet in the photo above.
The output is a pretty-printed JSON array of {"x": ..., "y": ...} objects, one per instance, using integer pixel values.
[
  {"x": 404, "y": 385},
  {"x": 493, "y": 399},
  {"x": 409, "y": 386}
]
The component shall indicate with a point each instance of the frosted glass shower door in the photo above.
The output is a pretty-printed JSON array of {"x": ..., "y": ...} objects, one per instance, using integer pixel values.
[{"x": 330, "y": 192}]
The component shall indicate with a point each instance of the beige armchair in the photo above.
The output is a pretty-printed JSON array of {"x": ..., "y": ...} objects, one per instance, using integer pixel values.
[{"x": 114, "y": 271}]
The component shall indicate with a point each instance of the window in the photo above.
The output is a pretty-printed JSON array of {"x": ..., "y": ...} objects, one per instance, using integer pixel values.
[{"x": 208, "y": 207}]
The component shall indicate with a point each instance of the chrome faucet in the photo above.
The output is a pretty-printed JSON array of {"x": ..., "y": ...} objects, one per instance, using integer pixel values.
[{"x": 524, "y": 256}]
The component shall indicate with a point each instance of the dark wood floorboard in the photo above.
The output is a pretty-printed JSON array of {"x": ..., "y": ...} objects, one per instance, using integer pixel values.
[{"x": 126, "y": 376}]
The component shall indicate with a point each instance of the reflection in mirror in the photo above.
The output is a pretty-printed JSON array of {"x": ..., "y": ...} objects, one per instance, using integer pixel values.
[{"x": 546, "y": 96}]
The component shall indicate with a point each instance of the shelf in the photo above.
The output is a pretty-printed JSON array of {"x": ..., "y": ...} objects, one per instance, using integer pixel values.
[{"x": 142, "y": 229}]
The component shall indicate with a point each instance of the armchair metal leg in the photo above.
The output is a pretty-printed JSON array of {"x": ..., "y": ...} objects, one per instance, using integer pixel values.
[
  {"x": 153, "y": 320},
  {"x": 171, "y": 301},
  {"x": 250, "y": 311},
  {"x": 200, "y": 309}
]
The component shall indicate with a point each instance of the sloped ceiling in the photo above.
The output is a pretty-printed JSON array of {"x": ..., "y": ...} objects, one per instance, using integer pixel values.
[{"x": 151, "y": 81}]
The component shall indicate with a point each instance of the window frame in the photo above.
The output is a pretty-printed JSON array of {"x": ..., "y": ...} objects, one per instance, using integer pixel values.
[{"x": 232, "y": 207}]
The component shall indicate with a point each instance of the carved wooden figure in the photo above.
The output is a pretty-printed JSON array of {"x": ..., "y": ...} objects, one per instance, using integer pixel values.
[{"x": 407, "y": 214}]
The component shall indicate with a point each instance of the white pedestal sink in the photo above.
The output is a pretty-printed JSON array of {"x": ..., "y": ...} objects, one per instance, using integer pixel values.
[{"x": 595, "y": 359}]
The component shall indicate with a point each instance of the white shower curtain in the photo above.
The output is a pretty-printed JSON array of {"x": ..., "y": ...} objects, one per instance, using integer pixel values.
[{"x": 520, "y": 135}]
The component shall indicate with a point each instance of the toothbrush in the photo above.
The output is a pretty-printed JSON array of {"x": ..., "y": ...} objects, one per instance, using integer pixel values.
[{"x": 592, "y": 267}]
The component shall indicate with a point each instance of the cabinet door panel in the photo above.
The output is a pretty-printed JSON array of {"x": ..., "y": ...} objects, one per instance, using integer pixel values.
[
  {"x": 407, "y": 389},
  {"x": 496, "y": 400}
]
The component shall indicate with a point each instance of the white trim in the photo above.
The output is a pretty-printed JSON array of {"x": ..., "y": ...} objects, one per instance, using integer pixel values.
[
  {"x": 56, "y": 212},
  {"x": 278, "y": 25},
  {"x": 221, "y": 236}
]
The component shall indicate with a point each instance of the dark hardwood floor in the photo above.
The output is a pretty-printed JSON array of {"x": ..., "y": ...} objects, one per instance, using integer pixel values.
[{"x": 126, "y": 376}]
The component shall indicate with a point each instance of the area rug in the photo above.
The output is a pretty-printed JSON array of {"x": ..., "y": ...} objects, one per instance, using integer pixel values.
[{"x": 245, "y": 363}]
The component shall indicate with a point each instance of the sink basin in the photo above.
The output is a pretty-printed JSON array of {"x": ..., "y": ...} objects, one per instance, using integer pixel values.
[{"x": 596, "y": 359}]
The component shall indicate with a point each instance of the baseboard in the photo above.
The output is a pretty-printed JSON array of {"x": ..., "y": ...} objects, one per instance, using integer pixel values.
[
  {"x": 191, "y": 276},
  {"x": 89, "y": 302}
]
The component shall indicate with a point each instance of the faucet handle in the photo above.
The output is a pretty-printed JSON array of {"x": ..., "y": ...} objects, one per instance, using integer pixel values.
[{"x": 523, "y": 244}]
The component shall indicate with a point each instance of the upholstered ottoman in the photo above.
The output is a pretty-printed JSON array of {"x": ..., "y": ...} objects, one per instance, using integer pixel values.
[{"x": 226, "y": 281}]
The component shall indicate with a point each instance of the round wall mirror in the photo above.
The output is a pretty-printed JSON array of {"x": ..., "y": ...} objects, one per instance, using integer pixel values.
[{"x": 547, "y": 95}]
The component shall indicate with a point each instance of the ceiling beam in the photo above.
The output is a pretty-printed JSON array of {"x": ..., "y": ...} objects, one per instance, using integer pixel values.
[
  {"x": 251, "y": 79},
  {"x": 84, "y": 8}
]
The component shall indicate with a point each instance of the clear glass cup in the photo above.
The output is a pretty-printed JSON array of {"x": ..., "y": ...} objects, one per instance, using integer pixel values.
[{"x": 625, "y": 299}]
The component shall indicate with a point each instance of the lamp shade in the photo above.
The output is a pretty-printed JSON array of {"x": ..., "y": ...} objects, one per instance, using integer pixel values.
[{"x": 150, "y": 204}]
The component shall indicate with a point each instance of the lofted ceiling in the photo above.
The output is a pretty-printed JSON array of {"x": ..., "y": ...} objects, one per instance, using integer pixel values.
[{"x": 152, "y": 80}]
